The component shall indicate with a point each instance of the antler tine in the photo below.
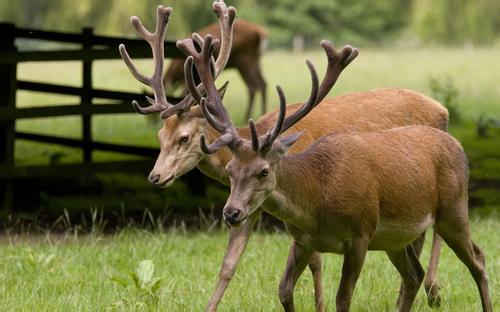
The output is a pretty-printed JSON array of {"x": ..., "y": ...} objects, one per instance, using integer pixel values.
[
  {"x": 223, "y": 140},
  {"x": 156, "y": 41},
  {"x": 307, "y": 106},
  {"x": 226, "y": 19},
  {"x": 271, "y": 135},
  {"x": 253, "y": 135},
  {"x": 337, "y": 61},
  {"x": 219, "y": 126},
  {"x": 189, "y": 80}
]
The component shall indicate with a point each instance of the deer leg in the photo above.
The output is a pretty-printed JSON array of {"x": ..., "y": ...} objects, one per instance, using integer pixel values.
[
  {"x": 238, "y": 239},
  {"x": 354, "y": 257},
  {"x": 418, "y": 245},
  {"x": 262, "y": 86},
  {"x": 431, "y": 283},
  {"x": 251, "y": 98},
  {"x": 412, "y": 275},
  {"x": 245, "y": 69},
  {"x": 456, "y": 234},
  {"x": 298, "y": 258},
  {"x": 315, "y": 267}
]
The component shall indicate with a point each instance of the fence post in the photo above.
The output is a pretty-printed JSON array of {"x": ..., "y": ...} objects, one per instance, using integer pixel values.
[
  {"x": 7, "y": 128},
  {"x": 86, "y": 97}
]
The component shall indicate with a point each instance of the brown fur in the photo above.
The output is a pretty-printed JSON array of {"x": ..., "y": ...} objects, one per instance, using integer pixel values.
[{"x": 248, "y": 42}]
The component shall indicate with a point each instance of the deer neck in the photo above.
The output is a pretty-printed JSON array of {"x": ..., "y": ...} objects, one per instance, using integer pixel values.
[
  {"x": 294, "y": 197},
  {"x": 214, "y": 165}
]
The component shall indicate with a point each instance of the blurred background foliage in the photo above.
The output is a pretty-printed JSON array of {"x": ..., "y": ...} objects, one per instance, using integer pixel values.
[{"x": 407, "y": 22}]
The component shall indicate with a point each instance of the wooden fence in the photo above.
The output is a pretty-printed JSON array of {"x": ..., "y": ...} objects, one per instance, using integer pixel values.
[{"x": 91, "y": 47}]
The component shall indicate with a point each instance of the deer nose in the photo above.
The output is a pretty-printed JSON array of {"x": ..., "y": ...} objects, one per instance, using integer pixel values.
[
  {"x": 231, "y": 215},
  {"x": 154, "y": 178}
]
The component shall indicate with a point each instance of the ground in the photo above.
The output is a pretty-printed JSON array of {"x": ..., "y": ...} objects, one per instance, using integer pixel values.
[{"x": 94, "y": 273}]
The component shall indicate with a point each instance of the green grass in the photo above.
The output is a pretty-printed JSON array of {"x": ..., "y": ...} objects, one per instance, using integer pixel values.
[{"x": 93, "y": 273}]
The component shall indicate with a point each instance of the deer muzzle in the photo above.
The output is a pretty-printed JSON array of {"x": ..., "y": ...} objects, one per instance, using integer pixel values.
[{"x": 233, "y": 216}]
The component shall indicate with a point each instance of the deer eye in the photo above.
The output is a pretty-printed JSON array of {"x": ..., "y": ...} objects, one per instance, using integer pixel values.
[
  {"x": 183, "y": 139},
  {"x": 264, "y": 173}
]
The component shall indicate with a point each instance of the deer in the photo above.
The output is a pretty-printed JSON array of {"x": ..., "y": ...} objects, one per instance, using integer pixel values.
[
  {"x": 249, "y": 42},
  {"x": 183, "y": 123},
  {"x": 347, "y": 193}
]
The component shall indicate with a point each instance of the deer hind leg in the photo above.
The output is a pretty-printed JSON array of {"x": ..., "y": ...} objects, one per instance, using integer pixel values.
[
  {"x": 262, "y": 87},
  {"x": 315, "y": 267},
  {"x": 298, "y": 258},
  {"x": 412, "y": 275},
  {"x": 418, "y": 245},
  {"x": 431, "y": 284},
  {"x": 455, "y": 232},
  {"x": 248, "y": 76}
]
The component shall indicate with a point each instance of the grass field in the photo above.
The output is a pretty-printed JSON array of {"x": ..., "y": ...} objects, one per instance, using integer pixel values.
[{"x": 94, "y": 273}]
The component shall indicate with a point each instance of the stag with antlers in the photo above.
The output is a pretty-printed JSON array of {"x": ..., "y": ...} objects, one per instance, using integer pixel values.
[
  {"x": 184, "y": 123},
  {"x": 348, "y": 192}
]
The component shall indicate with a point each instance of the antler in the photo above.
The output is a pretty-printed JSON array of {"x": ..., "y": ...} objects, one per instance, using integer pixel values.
[
  {"x": 219, "y": 118},
  {"x": 155, "y": 40},
  {"x": 337, "y": 61},
  {"x": 213, "y": 109},
  {"x": 266, "y": 141},
  {"x": 160, "y": 104}
]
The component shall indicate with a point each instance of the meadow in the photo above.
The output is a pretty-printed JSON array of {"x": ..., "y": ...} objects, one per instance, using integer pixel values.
[
  {"x": 99, "y": 272},
  {"x": 175, "y": 270}
]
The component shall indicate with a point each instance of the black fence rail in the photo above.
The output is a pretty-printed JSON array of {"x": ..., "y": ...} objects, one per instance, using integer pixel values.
[{"x": 87, "y": 47}]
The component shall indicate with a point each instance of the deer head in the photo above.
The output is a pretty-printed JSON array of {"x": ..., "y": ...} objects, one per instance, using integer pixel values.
[
  {"x": 252, "y": 171},
  {"x": 183, "y": 122}
]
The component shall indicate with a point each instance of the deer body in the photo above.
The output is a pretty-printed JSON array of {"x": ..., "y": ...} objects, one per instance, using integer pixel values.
[
  {"x": 387, "y": 183},
  {"x": 353, "y": 192}
]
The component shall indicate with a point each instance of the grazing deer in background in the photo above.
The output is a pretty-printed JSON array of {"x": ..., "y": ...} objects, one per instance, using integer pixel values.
[
  {"x": 249, "y": 42},
  {"x": 184, "y": 123},
  {"x": 348, "y": 192}
]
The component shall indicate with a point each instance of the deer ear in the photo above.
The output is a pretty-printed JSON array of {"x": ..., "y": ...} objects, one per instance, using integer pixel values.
[
  {"x": 288, "y": 141},
  {"x": 222, "y": 90}
]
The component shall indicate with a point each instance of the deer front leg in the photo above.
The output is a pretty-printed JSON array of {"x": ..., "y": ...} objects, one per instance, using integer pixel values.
[
  {"x": 238, "y": 239},
  {"x": 298, "y": 258},
  {"x": 354, "y": 257},
  {"x": 315, "y": 267}
]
